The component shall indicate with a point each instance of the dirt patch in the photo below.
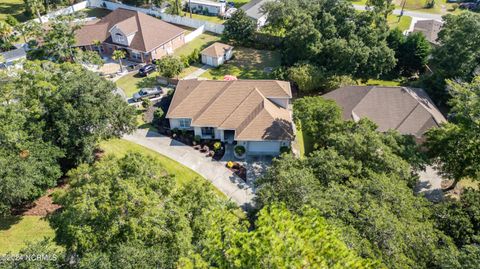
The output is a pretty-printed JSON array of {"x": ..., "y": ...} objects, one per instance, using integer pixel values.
[{"x": 42, "y": 206}]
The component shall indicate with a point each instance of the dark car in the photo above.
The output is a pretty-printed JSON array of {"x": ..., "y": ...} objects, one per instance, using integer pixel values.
[{"x": 147, "y": 69}]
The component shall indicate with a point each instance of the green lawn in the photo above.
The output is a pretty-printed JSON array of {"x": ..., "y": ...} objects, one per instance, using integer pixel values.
[
  {"x": 213, "y": 19},
  {"x": 239, "y": 3},
  {"x": 183, "y": 174},
  {"x": 16, "y": 231},
  {"x": 246, "y": 63},
  {"x": 305, "y": 143},
  {"x": 12, "y": 7},
  {"x": 131, "y": 82},
  {"x": 96, "y": 12},
  {"x": 201, "y": 42},
  {"x": 379, "y": 82},
  {"x": 441, "y": 6},
  {"x": 403, "y": 25}
]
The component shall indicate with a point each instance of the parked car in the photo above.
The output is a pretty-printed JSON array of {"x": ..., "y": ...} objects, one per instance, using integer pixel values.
[
  {"x": 147, "y": 69},
  {"x": 147, "y": 93}
]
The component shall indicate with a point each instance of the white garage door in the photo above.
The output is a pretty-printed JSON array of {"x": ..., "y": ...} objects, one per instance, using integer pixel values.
[{"x": 264, "y": 147}]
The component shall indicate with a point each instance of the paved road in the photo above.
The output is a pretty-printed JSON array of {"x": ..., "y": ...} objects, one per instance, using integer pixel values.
[
  {"x": 198, "y": 72},
  {"x": 413, "y": 14},
  {"x": 216, "y": 172}
]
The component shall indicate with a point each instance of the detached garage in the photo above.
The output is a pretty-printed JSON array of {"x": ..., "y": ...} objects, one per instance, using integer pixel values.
[
  {"x": 263, "y": 147},
  {"x": 216, "y": 54}
]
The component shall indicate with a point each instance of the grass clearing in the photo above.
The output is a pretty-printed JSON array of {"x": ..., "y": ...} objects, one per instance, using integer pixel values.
[
  {"x": 213, "y": 19},
  {"x": 380, "y": 82},
  {"x": 246, "y": 63},
  {"x": 96, "y": 12},
  {"x": 14, "y": 8},
  {"x": 305, "y": 143},
  {"x": 403, "y": 24},
  {"x": 201, "y": 42},
  {"x": 16, "y": 231}
]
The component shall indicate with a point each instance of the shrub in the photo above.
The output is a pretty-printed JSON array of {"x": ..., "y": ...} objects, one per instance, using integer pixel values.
[
  {"x": 158, "y": 114},
  {"x": 183, "y": 132},
  {"x": 240, "y": 150},
  {"x": 454, "y": 7},
  {"x": 170, "y": 66},
  {"x": 175, "y": 130},
  {"x": 230, "y": 164},
  {"x": 197, "y": 138},
  {"x": 211, "y": 153},
  {"x": 285, "y": 149},
  {"x": 146, "y": 103},
  {"x": 217, "y": 146}
]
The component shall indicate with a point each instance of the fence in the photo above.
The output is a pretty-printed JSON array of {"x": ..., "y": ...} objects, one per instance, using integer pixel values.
[
  {"x": 191, "y": 36},
  {"x": 175, "y": 19},
  {"x": 64, "y": 11}
]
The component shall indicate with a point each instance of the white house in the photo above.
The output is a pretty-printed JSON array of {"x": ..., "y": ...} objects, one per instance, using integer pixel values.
[
  {"x": 254, "y": 113},
  {"x": 210, "y": 7},
  {"x": 254, "y": 11},
  {"x": 216, "y": 54}
]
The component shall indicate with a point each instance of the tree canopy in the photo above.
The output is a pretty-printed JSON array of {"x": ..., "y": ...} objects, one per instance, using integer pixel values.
[{"x": 332, "y": 35}]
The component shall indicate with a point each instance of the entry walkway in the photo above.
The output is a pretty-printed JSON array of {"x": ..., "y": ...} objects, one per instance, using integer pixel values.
[
  {"x": 198, "y": 72},
  {"x": 221, "y": 177}
]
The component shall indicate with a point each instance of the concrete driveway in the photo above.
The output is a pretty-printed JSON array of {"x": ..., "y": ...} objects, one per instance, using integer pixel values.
[
  {"x": 222, "y": 178},
  {"x": 256, "y": 167},
  {"x": 430, "y": 184}
]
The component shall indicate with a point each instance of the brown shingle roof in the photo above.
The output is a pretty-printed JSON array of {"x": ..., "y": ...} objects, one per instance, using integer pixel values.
[
  {"x": 430, "y": 28},
  {"x": 217, "y": 49},
  {"x": 150, "y": 32},
  {"x": 408, "y": 110},
  {"x": 241, "y": 105}
]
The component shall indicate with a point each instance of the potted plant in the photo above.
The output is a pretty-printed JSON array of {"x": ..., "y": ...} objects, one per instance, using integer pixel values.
[{"x": 239, "y": 152}]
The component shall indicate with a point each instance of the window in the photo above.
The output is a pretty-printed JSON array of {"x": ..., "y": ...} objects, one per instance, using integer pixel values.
[
  {"x": 119, "y": 38},
  {"x": 184, "y": 123},
  {"x": 135, "y": 55},
  {"x": 207, "y": 131}
]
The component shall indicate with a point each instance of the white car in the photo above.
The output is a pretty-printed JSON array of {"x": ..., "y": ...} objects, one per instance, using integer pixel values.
[{"x": 147, "y": 93}]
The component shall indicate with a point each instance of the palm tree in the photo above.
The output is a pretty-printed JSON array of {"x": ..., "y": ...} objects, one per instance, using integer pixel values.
[
  {"x": 119, "y": 55},
  {"x": 6, "y": 32}
]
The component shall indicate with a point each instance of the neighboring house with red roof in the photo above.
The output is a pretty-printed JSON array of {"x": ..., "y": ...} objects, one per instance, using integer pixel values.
[
  {"x": 254, "y": 113},
  {"x": 143, "y": 37},
  {"x": 408, "y": 110}
]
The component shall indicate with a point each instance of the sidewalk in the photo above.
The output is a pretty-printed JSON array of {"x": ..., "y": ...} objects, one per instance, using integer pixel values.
[
  {"x": 198, "y": 72},
  {"x": 221, "y": 177}
]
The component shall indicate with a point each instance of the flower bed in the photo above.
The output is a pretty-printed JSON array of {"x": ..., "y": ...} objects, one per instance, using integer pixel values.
[
  {"x": 210, "y": 148},
  {"x": 237, "y": 169}
]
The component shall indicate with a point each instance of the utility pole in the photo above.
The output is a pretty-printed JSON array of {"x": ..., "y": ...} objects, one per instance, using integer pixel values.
[{"x": 190, "y": 7}]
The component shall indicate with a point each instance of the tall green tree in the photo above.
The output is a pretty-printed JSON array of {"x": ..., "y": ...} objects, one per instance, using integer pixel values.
[
  {"x": 118, "y": 55},
  {"x": 170, "y": 66},
  {"x": 60, "y": 38},
  {"x": 455, "y": 146},
  {"x": 34, "y": 7},
  {"x": 239, "y": 28},
  {"x": 78, "y": 107},
  {"x": 333, "y": 36},
  {"x": 412, "y": 52}
]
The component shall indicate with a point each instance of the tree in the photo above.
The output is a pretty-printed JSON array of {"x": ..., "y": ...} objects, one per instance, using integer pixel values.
[
  {"x": 239, "y": 28},
  {"x": 60, "y": 38},
  {"x": 34, "y": 7},
  {"x": 307, "y": 77},
  {"x": 78, "y": 108},
  {"x": 331, "y": 35},
  {"x": 88, "y": 57},
  {"x": 412, "y": 52},
  {"x": 455, "y": 146},
  {"x": 170, "y": 66},
  {"x": 306, "y": 241},
  {"x": 6, "y": 33},
  {"x": 28, "y": 164},
  {"x": 384, "y": 7},
  {"x": 11, "y": 20},
  {"x": 29, "y": 29},
  {"x": 118, "y": 55}
]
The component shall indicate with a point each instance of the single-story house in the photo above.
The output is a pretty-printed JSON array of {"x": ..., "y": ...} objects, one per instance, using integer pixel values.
[
  {"x": 430, "y": 28},
  {"x": 410, "y": 111},
  {"x": 216, "y": 54},
  {"x": 254, "y": 11},
  {"x": 254, "y": 113},
  {"x": 206, "y": 7},
  {"x": 12, "y": 57},
  {"x": 143, "y": 37}
]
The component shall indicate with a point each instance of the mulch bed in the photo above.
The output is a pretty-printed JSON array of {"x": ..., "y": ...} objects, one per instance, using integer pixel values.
[
  {"x": 42, "y": 207},
  {"x": 239, "y": 170}
]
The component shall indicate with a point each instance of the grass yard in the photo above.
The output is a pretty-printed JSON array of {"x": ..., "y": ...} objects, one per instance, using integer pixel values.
[
  {"x": 305, "y": 143},
  {"x": 201, "y": 42},
  {"x": 213, "y": 19},
  {"x": 379, "y": 82},
  {"x": 441, "y": 6},
  {"x": 12, "y": 7},
  {"x": 246, "y": 63},
  {"x": 16, "y": 231},
  {"x": 239, "y": 3},
  {"x": 183, "y": 174},
  {"x": 96, "y": 12},
  {"x": 403, "y": 25},
  {"x": 131, "y": 82}
]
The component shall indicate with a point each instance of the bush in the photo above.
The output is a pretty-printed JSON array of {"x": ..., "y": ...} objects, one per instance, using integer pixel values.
[
  {"x": 146, "y": 103},
  {"x": 307, "y": 76},
  {"x": 158, "y": 114},
  {"x": 217, "y": 146},
  {"x": 285, "y": 149},
  {"x": 175, "y": 130},
  {"x": 170, "y": 66},
  {"x": 230, "y": 164},
  {"x": 197, "y": 139},
  {"x": 240, "y": 150}
]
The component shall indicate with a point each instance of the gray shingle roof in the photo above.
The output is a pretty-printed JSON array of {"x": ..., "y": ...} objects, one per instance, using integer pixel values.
[
  {"x": 407, "y": 110},
  {"x": 15, "y": 54},
  {"x": 253, "y": 8}
]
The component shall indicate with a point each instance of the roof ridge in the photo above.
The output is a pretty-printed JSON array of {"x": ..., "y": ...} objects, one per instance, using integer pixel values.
[
  {"x": 253, "y": 114},
  {"x": 408, "y": 115},
  {"x": 243, "y": 101},
  {"x": 213, "y": 100},
  {"x": 139, "y": 27},
  {"x": 363, "y": 98}
]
